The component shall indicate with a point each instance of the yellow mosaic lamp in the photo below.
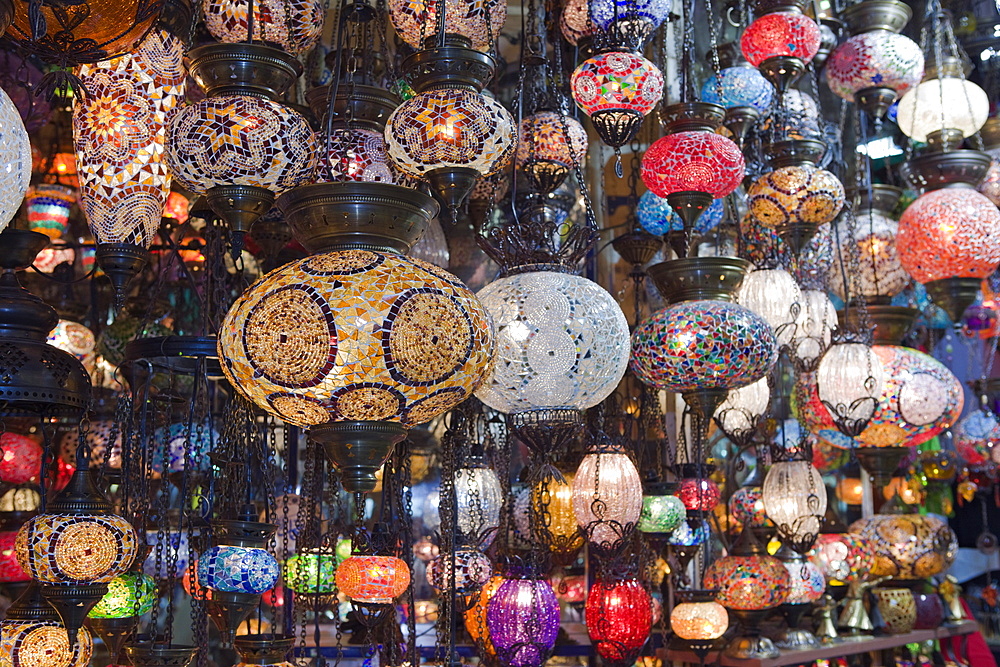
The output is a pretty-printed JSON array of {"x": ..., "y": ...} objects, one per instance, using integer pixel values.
[
  {"x": 32, "y": 634},
  {"x": 358, "y": 342}
]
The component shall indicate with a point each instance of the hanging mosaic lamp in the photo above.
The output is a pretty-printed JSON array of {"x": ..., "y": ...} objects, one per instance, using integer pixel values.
[
  {"x": 616, "y": 90},
  {"x": 15, "y": 160},
  {"x": 619, "y": 616},
  {"x": 523, "y": 620},
  {"x": 470, "y": 572},
  {"x": 294, "y": 25},
  {"x": 607, "y": 497},
  {"x": 797, "y": 197},
  {"x": 746, "y": 505},
  {"x": 806, "y": 586},
  {"x": 692, "y": 165},
  {"x": 22, "y": 459},
  {"x": 550, "y": 146},
  {"x": 236, "y": 570},
  {"x": 880, "y": 275},
  {"x": 876, "y": 65},
  {"x": 842, "y": 557},
  {"x": 560, "y": 533},
  {"x": 698, "y": 621},
  {"x": 740, "y": 89},
  {"x": 257, "y": 147},
  {"x": 373, "y": 580},
  {"x": 658, "y": 217},
  {"x": 449, "y": 132},
  {"x": 76, "y": 547},
  {"x": 907, "y": 546},
  {"x": 576, "y": 26},
  {"x": 32, "y": 634},
  {"x": 780, "y": 42},
  {"x": 48, "y": 206},
  {"x": 310, "y": 574},
  {"x": 479, "y": 22},
  {"x": 115, "y": 618},
  {"x": 750, "y": 583},
  {"x": 631, "y": 21},
  {"x": 943, "y": 104}
]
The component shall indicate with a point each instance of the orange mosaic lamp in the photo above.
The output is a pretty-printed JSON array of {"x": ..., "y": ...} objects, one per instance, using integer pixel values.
[{"x": 373, "y": 579}]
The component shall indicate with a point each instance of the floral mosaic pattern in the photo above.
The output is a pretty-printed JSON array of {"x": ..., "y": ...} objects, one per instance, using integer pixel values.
[
  {"x": 843, "y": 557},
  {"x": 880, "y": 271},
  {"x": 129, "y": 594},
  {"x": 748, "y": 582},
  {"x": 43, "y": 644},
  {"x": 68, "y": 549},
  {"x": 237, "y": 569},
  {"x": 295, "y": 25},
  {"x": 450, "y": 127},
  {"x": 657, "y": 216},
  {"x": 240, "y": 140},
  {"x": 562, "y": 342},
  {"x": 373, "y": 579},
  {"x": 738, "y": 87},
  {"x": 544, "y": 138},
  {"x": 478, "y": 20},
  {"x": 355, "y": 155},
  {"x": 615, "y": 81},
  {"x": 908, "y": 546},
  {"x": 703, "y": 345},
  {"x": 120, "y": 131},
  {"x": 693, "y": 162},
  {"x": 648, "y": 13},
  {"x": 877, "y": 59},
  {"x": 780, "y": 34},
  {"x": 795, "y": 194},
  {"x": 312, "y": 341},
  {"x": 949, "y": 233}
]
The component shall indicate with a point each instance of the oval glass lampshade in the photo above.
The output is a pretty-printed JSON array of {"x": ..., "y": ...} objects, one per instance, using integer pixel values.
[
  {"x": 699, "y": 494},
  {"x": 562, "y": 342},
  {"x": 780, "y": 34},
  {"x": 949, "y": 233},
  {"x": 661, "y": 513},
  {"x": 475, "y": 617},
  {"x": 607, "y": 498},
  {"x": 43, "y": 643},
  {"x": 294, "y": 25},
  {"x": 880, "y": 272},
  {"x": 478, "y": 501},
  {"x": 523, "y": 621},
  {"x": 617, "y": 81},
  {"x": 559, "y": 531},
  {"x": 976, "y": 436},
  {"x": 908, "y": 546},
  {"x": 311, "y": 571},
  {"x": 797, "y": 118},
  {"x": 850, "y": 378},
  {"x": 748, "y": 582},
  {"x": 22, "y": 458},
  {"x": 696, "y": 161},
  {"x": 878, "y": 58},
  {"x": 699, "y": 621},
  {"x": 744, "y": 407},
  {"x": 798, "y": 193},
  {"x": 238, "y": 569},
  {"x": 739, "y": 86},
  {"x": 48, "y": 206},
  {"x": 619, "y": 616},
  {"x": 814, "y": 326},
  {"x": 472, "y": 569},
  {"x": 129, "y": 594},
  {"x": 937, "y": 104},
  {"x": 373, "y": 579},
  {"x": 329, "y": 363},
  {"x": 795, "y": 499}
]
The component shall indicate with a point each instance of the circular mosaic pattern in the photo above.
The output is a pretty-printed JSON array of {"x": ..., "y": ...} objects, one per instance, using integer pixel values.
[
  {"x": 908, "y": 546},
  {"x": 450, "y": 127},
  {"x": 747, "y": 506},
  {"x": 878, "y": 58},
  {"x": 748, "y": 582},
  {"x": 562, "y": 342},
  {"x": 976, "y": 436},
  {"x": 478, "y": 20},
  {"x": 657, "y": 216},
  {"x": 780, "y": 34},
  {"x": 472, "y": 570},
  {"x": 880, "y": 271},
  {"x": 395, "y": 318},
  {"x": 355, "y": 154},
  {"x": 649, "y": 14},
  {"x": 295, "y": 25},
  {"x": 543, "y": 138},
  {"x": 693, "y": 162},
  {"x": 806, "y": 582},
  {"x": 703, "y": 345},
  {"x": 949, "y": 233},
  {"x": 43, "y": 644},
  {"x": 574, "y": 21},
  {"x": 617, "y": 81},
  {"x": 240, "y": 140},
  {"x": 842, "y": 557},
  {"x": 237, "y": 569},
  {"x": 66, "y": 549},
  {"x": 739, "y": 86},
  {"x": 795, "y": 194}
]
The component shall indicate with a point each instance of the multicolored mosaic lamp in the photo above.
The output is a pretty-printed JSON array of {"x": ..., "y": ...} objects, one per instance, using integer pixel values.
[
  {"x": 740, "y": 88},
  {"x": 908, "y": 546},
  {"x": 550, "y": 146},
  {"x": 662, "y": 512},
  {"x": 32, "y": 634},
  {"x": 523, "y": 620},
  {"x": 310, "y": 573},
  {"x": 617, "y": 90},
  {"x": 472, "y": 569},
  {"x": 876, "y": 64},
  {"x": 48, "y": 206},
  {"x": 658, "y": 217},
  {"x": 842, "y": 558},
  {"x": 479, "y": 21},
  {"x": 635, "y": 19},
  {"x": 806, "y": 585},
  {"x": 780, "y": 42},
  {"x": 294, "y": 25}
]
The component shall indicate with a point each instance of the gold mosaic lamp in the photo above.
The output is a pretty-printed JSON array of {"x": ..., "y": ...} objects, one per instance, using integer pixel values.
[{"x": 32, "y": 634}]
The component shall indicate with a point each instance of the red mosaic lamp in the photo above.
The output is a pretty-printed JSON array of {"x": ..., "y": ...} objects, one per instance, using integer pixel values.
[{"x": 781, "y": 41}]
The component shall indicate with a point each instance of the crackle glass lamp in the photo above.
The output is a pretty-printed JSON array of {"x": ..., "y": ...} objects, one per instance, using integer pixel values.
[
  {"x": 373, "y": 579},
  {"x": 907, "y": 546},
  {"x": 21, "y": 460},
  {"x": 617, "y": 90},
  {"x": 479, "y": 21},
  {"x": 294, "y": 25},
  {"x": 751, "y": 583},
  {"x": 814, "y": 327},
  {"x": 661, "y": 512},
  {"x": 619, "y": 615},
  {"x": 658, "y": 217},
  {"x": 850, "y": 378},
  {"x": 698, "y": 618},
  {"x": 780, "y": 42},
  {"x": 129, "y": 594},
  {"x": 523, "y": 620},
  {"x": 472, "y": 570},
  {"x": 31, "y": 635},
  {"x": 607, "y": 497},
  {"x": 311, "y": 572},
  {"x": 774, "y": 295},
  {"x": 739, "y": 86},
  {"x": 739, "y": 415},
  {"x": 475, "y": 617},
  {"x": 550, "y": 146},
  {"x": 880, "y": 274},
  {"x": 638, "y": 17},
  {"x": 48, "y": 206},
  {"x": 795, "y": 500},
  {"x": 120, "y": 136},
  {"x": 478, "y": 502},
  {"x": 553, "y": 498},
  {"x": 876, "y": 64},
  {"x": 15, "y": 160},
  {"x": 697, "y": 160},
  {"x": 806, "y": 582}
]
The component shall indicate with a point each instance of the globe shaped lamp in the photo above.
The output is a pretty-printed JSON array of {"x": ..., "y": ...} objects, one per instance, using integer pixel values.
[
  {"x": 310, "y": 574},
  {"x": 373, "y": 580},
  {"x": 15, "y": 160},
  {"x": 746, "y": 505},
  {"x": 872, "y": 239},
  {"x": 850, "y": 378},
  {"x": 907, "y": 546},
  {"x": 523, "y": 620},
  {"x": 22, "y": 458},
  {"x": 560, "y": 534},
  {"x": 478, "y": 502},
  {"x": 607, "y": 497},
  {"x": 876, "y": 65},
  {"x": 780, "y": 42},
  {"x": 617, "y": 90},
  {"x": 698, "y": 620},
  {"x": 34, "y": 635},
  {"x": 129, "y": 594},
  {"x": 942, "y": 104},
  {"x": 658, "y": 217},
  {"x": 550, "y": 146},
  {"x": 619, "y": 616},
  {"x": 662, "y": 512},
  {"x": 356, "y": 154},
  {"x": 294, "y": 26},
  {"x": 471, "y": 570},
  {"x": 976, "y": 436},
  {"x": 739, "y": 86},
  {"x": 795, "y": 500},
  {"x": 479, "y": 23},
  {"x": 842, "y": 558},
  {"x": 475, "y": 617},
  {"x": 634, "y": 20}
]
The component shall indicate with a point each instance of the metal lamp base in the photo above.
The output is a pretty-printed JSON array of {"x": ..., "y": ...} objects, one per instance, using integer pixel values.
[{"x": 358, "y": 449}]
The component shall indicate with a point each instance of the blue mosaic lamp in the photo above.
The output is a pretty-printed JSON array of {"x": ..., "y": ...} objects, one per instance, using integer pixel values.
[
  {"x": 629, "y": 17},
  {"x": 237, "y": 570},
  {"x": 739, "y": 86},
  {"x": 657, "y": 216}
]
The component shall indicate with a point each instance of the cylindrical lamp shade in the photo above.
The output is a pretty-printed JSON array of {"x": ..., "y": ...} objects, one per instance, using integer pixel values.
[
  {"x": 874, "y": 244},
  {"x": 850, "y": 378},
  {"x": 450, "y": 127},
  {"x": 795, "y": 500},
  {"x": 876, "y": 59},
  {"x": 129, "y": 594},
  {"x": 793, "y": 194},
  {"x": 373, "y": 579},
  {"x": 15, "y": 160},
  {"x": 235, "y": 569},
  {"x": 842, "y": 557},
  {"x": 806, "y": 582},
  {"x": 657, "y": 216},
  {"x": 696, "y": 161},
  {"x": 748, "y": 582},
  {"x": 699, "y": 621},
  {"x": 472, "y": 570},
  {"x": 789, "y": 34},
  {"x": 295, "y": 25},
  {"x": 617, "y": 81},
  {"x": 619, "y": 615},
  {"x": 10, "y": 570},
  {"x": 479, "y": 21},
  {"x": 702, "y": 345},
  {"x": 478, "y": 501},
  {"x": 22, "y": 459},
  {"x": 523, "y": 621},
  {"x": 119, "y": 133},
  {"x": 949, "y": 233},
  {"x": 328, "y": 363},
  {"x": 562, "y": 339},
  {"x": 738, "y": 87},
  {"x": 69, "y": 549},
  {"x": 661, "y": 514},
  {"x": 48, "y": 207},
  {"x": 950, "y": 103},
  {"x": 774, "y": 295},
  {"x": 43, "y": 643},
  {"x": 607, "y": 497},
  {"x": 908, "y": 546},
  {"x": 355, "y": 154}
]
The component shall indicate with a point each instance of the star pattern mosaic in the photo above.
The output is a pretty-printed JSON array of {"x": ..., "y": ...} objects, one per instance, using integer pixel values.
[
  {"x": 478, "y": 20},
  {"x": 295, "y": 25},
  {"x": 544, "y": 137}
]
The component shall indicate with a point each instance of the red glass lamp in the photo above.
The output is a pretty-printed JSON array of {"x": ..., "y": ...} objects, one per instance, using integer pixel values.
[
  {"x": 617, "y": 90},
  {"x": 619, "y": 615},
  {"x": 780, "y": 42},
  {"x": 21, "y": 459}
]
